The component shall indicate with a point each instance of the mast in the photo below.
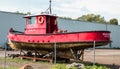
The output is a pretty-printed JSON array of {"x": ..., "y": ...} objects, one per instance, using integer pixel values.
[
  {"x": 50, "y": 7},
  {"x": 49, "y": 10}
]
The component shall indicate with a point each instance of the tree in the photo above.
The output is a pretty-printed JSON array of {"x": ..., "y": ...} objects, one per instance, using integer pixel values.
[
  {"x": 92, "y": 18},
  {"x": 68, "y": 18},
  {"x": 27, "y": 13},
  {"x": 113, "y": 21}
]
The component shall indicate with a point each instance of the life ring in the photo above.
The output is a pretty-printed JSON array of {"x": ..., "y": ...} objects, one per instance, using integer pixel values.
[{"x": 40, "y": 19}]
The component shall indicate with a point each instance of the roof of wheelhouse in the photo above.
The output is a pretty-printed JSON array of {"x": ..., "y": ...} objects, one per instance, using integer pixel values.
[{"x": 54, "y": 15}]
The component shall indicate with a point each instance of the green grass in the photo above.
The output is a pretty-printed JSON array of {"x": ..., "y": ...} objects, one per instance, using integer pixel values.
[
  {"x": 17, "y": 61},
  {"x": 96, "y": 67},
  {"x": 9, "y": 68},
  {"x": 10, "y": 61},
  {"x": 56, "y": 66},
  {"x": 60, "y": 66},
  {"x": 63, "y": 66}
]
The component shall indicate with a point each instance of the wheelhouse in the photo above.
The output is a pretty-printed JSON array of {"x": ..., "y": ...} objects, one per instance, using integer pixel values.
[{"x": 41, "y": 24}]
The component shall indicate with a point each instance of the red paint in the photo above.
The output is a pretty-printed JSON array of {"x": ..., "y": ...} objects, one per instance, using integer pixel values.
[{"x": 69, "y": 37}]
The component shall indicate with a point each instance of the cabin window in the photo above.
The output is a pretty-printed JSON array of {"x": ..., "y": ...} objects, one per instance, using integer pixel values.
[{"x": 31, "y": 20}]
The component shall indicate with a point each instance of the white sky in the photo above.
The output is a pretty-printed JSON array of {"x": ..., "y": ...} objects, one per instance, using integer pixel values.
[{"x": 69, "y": 8}]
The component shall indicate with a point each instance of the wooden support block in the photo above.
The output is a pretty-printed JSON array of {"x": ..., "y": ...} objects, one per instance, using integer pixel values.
[
  {"x": 21, "y": 58},
  {"x": 51, "y": 61},
  {"x": 82, "y": 55},
  {"x": 34, "y": 59}
]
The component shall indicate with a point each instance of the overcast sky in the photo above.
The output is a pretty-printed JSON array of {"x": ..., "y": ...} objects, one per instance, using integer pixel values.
[{"x": 69, "y": 8}]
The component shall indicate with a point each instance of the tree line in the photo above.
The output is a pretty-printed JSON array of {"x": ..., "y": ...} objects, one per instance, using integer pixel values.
[
  {"x": 87, "y": 18},
  {"x": 27, "y": 13},
  {"x": 94, "y": 18}
]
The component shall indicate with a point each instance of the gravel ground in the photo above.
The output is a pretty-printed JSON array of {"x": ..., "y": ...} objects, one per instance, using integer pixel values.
[
  {"x": 109, "y": 57},
  {"x": 103, "y": 56}
]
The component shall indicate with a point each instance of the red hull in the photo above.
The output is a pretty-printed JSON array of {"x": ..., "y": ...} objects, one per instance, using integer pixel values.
[{"x": 75, "y": 40}]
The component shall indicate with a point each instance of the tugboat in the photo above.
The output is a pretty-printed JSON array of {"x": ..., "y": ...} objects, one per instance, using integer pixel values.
[{"x": 42, "y": 33}]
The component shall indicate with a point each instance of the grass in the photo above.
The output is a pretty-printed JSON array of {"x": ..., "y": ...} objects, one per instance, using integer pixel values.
[
  {"x": 10, "y": 63},
  {"x": 87, "y": 66},
  {"x": 18, "y": 61},
  {"x": 9, "y": 68}
]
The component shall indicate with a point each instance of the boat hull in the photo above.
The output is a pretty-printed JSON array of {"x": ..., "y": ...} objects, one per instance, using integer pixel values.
[{"x": 64, "y": 41}]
